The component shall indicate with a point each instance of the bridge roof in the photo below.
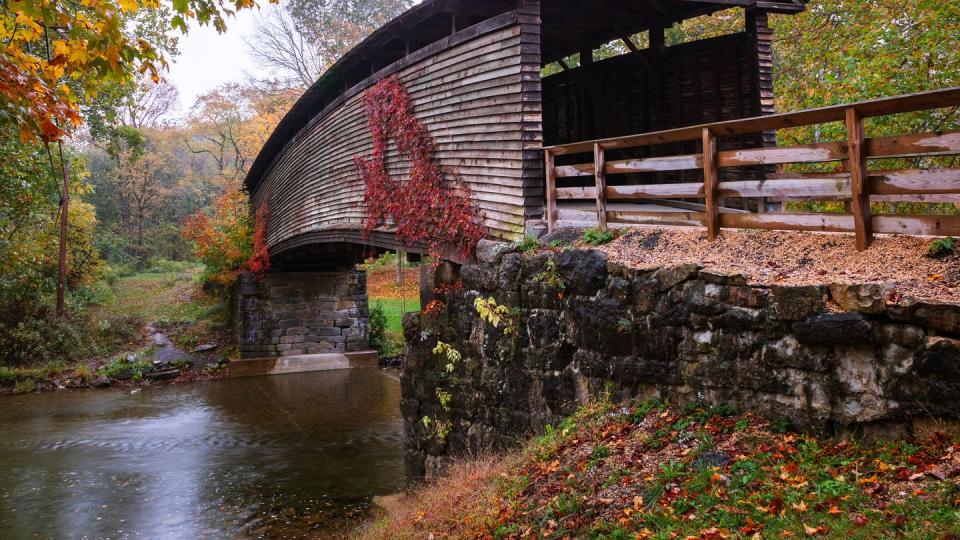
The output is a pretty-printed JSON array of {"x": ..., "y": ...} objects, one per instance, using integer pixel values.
[{"x": 568, "y": 26}]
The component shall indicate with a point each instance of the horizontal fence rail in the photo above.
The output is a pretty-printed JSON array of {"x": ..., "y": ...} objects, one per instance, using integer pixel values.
[{"x": 857, "y": 185}]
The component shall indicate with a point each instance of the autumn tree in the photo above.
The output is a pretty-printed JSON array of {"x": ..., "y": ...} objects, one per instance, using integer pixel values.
[
  {"x": 54, "y": 56},
  {"x": 846, "y": 50},
  {"x": 141, "y": 190},
  {"x": 230, "y": 124}
]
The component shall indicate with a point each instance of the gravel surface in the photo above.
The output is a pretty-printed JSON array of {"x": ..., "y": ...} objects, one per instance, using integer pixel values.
[{"x": 796, "y": 258}]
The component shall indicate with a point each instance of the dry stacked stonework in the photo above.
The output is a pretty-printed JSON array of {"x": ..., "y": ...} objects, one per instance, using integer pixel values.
[
  {"x": 289, "y": 314},
  {"x": 855, "y": 358}
]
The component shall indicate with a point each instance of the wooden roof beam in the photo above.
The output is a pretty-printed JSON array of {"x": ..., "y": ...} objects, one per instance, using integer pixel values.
[{"x": 775, "y": 6}]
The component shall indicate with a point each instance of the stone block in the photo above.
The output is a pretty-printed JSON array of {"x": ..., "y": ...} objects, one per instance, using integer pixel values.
[
  {"x": 671, "y": 276},
  {"x": 582, "y": 271},
  {"x": 490, "y": 252},
  {"x": 795, "y": 303},
  {"x": 834, "y": 329},
  {"x": 720, "y": 278},
  {"x": 939, "y": 316},
  {"x": 868, "y": 298}
]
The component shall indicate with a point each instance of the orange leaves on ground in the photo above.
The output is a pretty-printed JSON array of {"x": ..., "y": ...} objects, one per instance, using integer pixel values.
[
  {"x": 819, "y": 530},
  {"x": 383, "y": 284}
]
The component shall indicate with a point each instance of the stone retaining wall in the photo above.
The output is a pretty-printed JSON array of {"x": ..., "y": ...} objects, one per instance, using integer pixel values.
[
  {"x": 825, "y": 357},
  {"x": 291, "y": 314}
]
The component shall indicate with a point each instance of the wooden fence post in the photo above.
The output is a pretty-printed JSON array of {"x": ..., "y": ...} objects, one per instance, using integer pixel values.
[
  {"x": 551, "y": 189},
  {"x": 600, "y": 173},
  {"x": 860, "y": 192},
  {"x": 710, "y": 189}
]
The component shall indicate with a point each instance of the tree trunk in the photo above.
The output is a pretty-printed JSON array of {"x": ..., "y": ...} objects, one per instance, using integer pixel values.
[{"x": 62, "y": 269}]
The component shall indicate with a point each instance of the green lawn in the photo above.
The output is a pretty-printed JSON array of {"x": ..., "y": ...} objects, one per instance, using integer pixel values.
[
  {"x": 394, "y": 309},
  {"x": 169, "y": 296}
]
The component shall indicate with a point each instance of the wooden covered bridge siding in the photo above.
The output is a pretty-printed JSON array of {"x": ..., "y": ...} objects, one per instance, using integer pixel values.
[
  {"x": 473, "y": 70},
  {"x": 477, "y": 91}
]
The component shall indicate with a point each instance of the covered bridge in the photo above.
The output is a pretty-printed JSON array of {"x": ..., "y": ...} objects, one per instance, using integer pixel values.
[
  {"x": 494, "y": 81},
  {"x": 475, "y": 70}
]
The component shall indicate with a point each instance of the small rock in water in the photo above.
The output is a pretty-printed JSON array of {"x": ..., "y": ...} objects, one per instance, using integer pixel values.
[
  {"x": 101, "y": 382},
  {"x": 203, "y": 348},
  {"x": 163, "y": 374},
  {"x": 135, "y": 391}
]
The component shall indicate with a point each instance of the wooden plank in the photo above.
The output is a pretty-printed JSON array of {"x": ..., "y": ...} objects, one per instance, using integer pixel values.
[
  {"x": 859, "y": 187},
  {"x": 687, "y": 205},
  {"x": 948, "y": 97},
  {"x": 655, "y": 164},
  {"x": 926, "y": 144},
  {"x": 687, "y": 190},
  {"x": 809, "y": 153},
  {"x": 575, "y": 193},
  {"x": 827, "y": 188},
  {"x": 789, "y": 222},
  {"x": 928, "y": 198},
  {"x": 551, "y": 186},
  {"x": 915, "y": 182},
  {"x": 600, "y": 161},
  {"x": 917, "y": 225},
  {"x": 710, "y": 180},
  {"x": 688, "y": 219},
  {"x": 572, "y": 171},
  {"x": 575, "y": 214}
]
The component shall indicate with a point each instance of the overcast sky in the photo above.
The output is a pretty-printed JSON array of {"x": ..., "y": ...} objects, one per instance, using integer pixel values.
[{"x": 208, "y": 59}]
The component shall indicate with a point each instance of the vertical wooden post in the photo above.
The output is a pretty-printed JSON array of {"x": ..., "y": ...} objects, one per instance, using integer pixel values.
[
  {"x": 710, "y": 190},
  {"x": 600, "y": 172},
  {"x": 860, "y": 190},
  {"x": 550, "y": 173}
]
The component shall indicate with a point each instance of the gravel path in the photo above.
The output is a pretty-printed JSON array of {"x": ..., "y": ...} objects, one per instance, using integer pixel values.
[{"x": 796, "y": 258}]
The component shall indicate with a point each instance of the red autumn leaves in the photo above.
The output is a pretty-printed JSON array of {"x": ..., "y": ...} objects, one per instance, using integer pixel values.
[{"x": 426, "y": 208}]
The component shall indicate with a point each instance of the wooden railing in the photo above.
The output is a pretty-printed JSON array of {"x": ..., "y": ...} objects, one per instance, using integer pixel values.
[{"x": 856, "y": 184}]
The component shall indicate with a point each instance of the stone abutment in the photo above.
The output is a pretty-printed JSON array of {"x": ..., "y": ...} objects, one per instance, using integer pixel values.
[
  {"x": 297, "y": 313},
  {"x": 573, "y": 327}
]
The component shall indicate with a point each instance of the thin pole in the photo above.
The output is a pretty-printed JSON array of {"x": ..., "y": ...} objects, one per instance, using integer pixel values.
[
  {"x": 403, "y": 303},
  {"x": 64, "y": 209}
]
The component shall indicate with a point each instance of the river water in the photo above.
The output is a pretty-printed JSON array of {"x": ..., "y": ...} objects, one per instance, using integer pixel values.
[{"x": 276, "y": 457}]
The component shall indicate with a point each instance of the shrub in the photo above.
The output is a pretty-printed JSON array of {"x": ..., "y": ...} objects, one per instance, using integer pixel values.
[
  {"x": 123, "y": 369},
  {"x": 528, "y": 244},
  {"x": 378, "y": 329},
  {"x": 25, "y": 386},
  {"x": 222, "y": 238},
  {"x": 942, "y": 247},
  {"x": 596, "y": 237},
  {"x": 386, "y": 261},
  {"x": 82, "y": 373},
  {"x": 8, "y": 377}
]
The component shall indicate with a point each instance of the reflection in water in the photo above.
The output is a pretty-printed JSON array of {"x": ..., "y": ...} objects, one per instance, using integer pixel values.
[{"x": 268, "y": 456}]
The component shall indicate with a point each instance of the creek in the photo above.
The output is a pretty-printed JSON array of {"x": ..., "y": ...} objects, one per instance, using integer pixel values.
[{"x": 267, "y": 457}]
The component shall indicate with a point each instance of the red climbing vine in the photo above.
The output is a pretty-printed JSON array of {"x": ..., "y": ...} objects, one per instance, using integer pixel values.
[
  {"x": 426, "y": 207},
  {"x": 259, "y": 261}
]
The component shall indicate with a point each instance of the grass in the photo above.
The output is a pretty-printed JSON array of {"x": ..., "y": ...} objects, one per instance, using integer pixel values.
[
  {"x": 163, "y": 295},
  {"x": 649, "y": 470},
  {"x": 394, "y": 308},
  {"x": 466, "y": 483},
  {"x": 168, "y": 293}
]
